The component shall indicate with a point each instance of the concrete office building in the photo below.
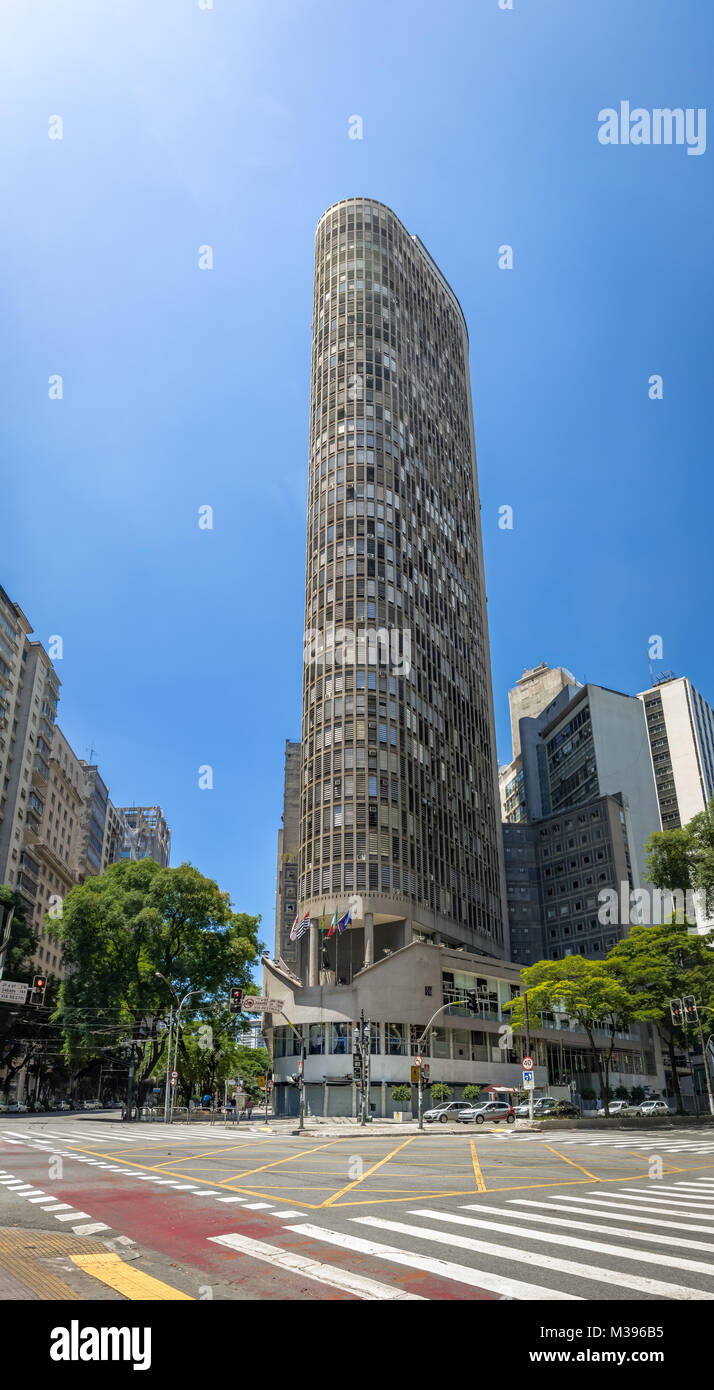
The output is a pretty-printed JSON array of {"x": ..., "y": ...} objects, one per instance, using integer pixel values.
[
  {"x": 532, "y": 692},
  {"x": 680, "y": 728},
  {"x": 399, "y": 799},
  {"x": 398, "y": 995},
  {"x": 56, "y": 851},
  {"x": 555, "y": 870},
  {"x": 598, "y": 746},
  {"x": 29, "y": 693},
  {"x": 523, "y": 783},
  {"x": 146, "y": 834},
  {"x": 398, "y": 795}
]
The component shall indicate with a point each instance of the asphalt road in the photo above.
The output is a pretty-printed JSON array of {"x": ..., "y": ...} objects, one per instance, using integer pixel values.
[{"x": 94, "y": 1209}]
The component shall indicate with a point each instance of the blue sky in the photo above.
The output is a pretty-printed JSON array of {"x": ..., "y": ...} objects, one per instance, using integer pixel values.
[{"x": 229, "y": 127}]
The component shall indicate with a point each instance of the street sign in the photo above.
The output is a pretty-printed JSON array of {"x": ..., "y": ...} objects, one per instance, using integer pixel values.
[
  {"x": 417, "y": 1061},
  {"x": 528, "y": 1081},
  {"x": 12, "y": 993},
  {"x": 174, "y": 1076},
  {"x": 527, "y": 1063},
  {"x": 415, "y": 1076},
  {"x": 257, "y": 1004}
]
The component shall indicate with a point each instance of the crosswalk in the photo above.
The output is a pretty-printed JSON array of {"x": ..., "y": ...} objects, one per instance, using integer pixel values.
[
  {"x": 685, "y": 1142},
  {"x": 665, "y": 1143},
  {"x": 654, "y": 1241},
  {"x": 98, "y": 1135}
]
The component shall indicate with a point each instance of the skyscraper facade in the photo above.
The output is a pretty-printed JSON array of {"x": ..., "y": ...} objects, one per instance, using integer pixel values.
[
  {"x": 399, "y": 804},
  {"x": 680, "y": 729}
]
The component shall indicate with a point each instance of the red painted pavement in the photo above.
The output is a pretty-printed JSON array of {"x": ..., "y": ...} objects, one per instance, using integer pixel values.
[{"x": 178, "y": 1225}]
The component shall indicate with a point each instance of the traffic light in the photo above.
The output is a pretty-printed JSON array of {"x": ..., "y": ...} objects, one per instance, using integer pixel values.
[
  {"x": 39, "y": 985},
  {"x": 357, "y": 1066},
  {"x": 675, "y": 1009},
  {"x": 472, "y": 1000},
  {"x": 236, "y": 1001},
  {"x": 690, "y": 1009}
]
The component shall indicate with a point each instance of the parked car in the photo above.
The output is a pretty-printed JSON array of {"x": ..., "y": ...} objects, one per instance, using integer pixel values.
[
  {"x": 653, "y": 1107},
  {"x": 541, "y": 1106},
  {"x": 495, "y": 1110},
  {"x": 443, "y": 1113},
  {"x": 618, "y": 1107}
]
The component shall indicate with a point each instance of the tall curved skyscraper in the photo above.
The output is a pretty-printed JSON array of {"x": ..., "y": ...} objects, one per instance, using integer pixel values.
[{"x": 398, "y": 817}]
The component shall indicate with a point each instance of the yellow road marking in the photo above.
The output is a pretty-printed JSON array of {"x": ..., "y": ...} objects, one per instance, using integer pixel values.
[
  {"x": 572, "y": 1162},
  {"x": 480, "y": 1184},
  {"x": 127, "y": 1279},
  {"x": 210, "y": 1153},
  {"x": 330, "y": 1143},
  {"x": 373, "y": 1169}
]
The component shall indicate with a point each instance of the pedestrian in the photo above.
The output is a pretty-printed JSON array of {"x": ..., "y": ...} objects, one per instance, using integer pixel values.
[{"x": 249, "y": 1108}]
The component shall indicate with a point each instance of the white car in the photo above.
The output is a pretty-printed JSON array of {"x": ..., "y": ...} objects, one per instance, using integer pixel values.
[
  {"x": 653, "y": 1107},
  {"x": 618, "y": 1107}
]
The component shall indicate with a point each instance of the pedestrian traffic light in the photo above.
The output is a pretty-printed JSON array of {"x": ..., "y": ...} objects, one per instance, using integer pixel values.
[
  {"x": 472, "y": 1000},
  {"x": 236, "y": 1001},
  {"x": 39, "y": 985},
  {"x": 675, "y": 1009},
  {"x": 690, "y": 1009}
]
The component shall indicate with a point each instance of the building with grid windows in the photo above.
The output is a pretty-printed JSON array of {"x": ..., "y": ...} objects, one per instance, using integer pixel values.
[
  {"x": 680, "y": 728},
  {"x": 391, "y": 810},
  {"x": 399, "y": 810}
]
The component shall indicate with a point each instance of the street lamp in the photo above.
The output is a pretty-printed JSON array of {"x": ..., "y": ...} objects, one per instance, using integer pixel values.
[
  {"x": 169, "y": 1110},
  {"x": 168, "y": 1050},
  {"x": 178, "y": 1029}
]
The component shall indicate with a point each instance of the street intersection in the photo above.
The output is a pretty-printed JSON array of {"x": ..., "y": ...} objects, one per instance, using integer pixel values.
[{"x": 151, "y": 1212}]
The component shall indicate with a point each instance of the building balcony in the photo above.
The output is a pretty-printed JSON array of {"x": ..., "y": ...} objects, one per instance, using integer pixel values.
[{"x": 40, "y": 773}]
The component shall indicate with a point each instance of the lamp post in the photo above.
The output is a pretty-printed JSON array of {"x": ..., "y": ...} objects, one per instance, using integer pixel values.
[
  {"x": 420, "y": 1042},
  {"x": 176, "y": 1043},
  {"x": 169, "y": 1107}
]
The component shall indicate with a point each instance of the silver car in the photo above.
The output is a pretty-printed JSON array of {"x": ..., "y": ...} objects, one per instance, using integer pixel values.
[
  {"x": 483, "y": 1110},
  {"x": 443, "y": 1113}
]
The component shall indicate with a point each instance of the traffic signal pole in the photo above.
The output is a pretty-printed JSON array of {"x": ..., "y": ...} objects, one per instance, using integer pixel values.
[
  {"x": 528, "y": 1053},
  {"x": 706, "y": 1069},
  {"x": 168, "y": 1067}
]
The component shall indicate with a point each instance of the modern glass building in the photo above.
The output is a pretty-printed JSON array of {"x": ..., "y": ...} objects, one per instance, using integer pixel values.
[{"x": 399, "y": 816}]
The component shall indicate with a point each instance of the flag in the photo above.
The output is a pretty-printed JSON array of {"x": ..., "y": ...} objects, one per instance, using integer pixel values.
[
  {"x": 322, "y": 919},
  {"x": 333, "y": 925},
  {"x": 344, "y": 921},
  {"x": 299, "y": 929}
]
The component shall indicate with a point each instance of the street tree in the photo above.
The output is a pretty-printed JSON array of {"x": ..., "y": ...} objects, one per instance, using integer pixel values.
[
  {"x": 662, "y": 962},
  {"x": 117, "y": 931},
  {"x": 587, "y": 992}
]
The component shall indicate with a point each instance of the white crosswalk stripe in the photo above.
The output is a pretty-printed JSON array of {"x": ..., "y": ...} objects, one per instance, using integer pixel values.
[{"x": 611, "y": 1237}]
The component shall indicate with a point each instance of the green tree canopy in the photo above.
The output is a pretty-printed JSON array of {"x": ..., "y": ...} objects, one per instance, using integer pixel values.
[
  {"x": 588, "y": 992},
  {"x": 116, "y": 931},
  {"x": 663, "y": 962}
]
